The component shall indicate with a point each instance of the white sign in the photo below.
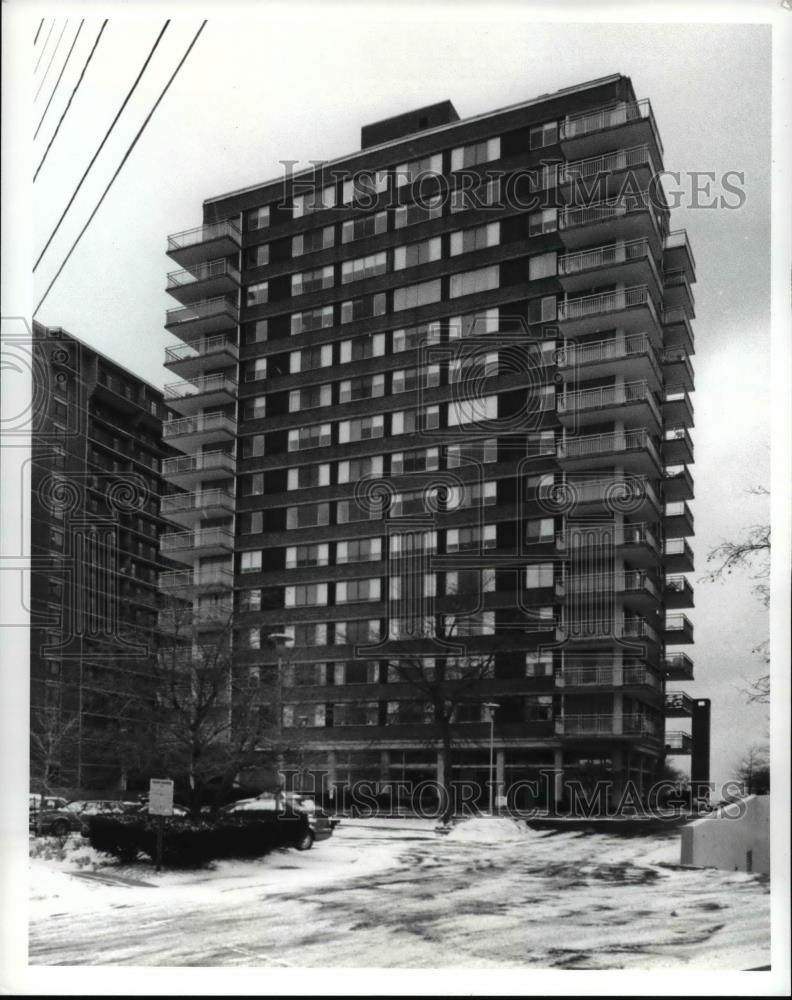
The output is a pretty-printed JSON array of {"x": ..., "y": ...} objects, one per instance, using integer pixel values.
[{"x": 161, "y": 797}]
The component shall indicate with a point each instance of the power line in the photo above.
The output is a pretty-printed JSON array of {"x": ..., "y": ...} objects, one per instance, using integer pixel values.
[
  {"x": 49, "y": 64},
  {"x": 121, "y": 164},
  {"x": 71, "y": 98},
  {"x": 38, "y": 32},
  {"x": 101, "y": 144},
  {"x": 68, "y": 57},
  {"x": 44, "y": 49}
]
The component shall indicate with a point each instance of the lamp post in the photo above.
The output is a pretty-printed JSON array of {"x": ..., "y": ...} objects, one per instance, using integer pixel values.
[
  {"x": 279, "y": 640},
  {"x": 491, "y": 705}
]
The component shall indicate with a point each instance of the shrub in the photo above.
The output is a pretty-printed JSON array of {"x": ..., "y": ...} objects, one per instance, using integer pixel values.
[{"x": 188, "y": 843}]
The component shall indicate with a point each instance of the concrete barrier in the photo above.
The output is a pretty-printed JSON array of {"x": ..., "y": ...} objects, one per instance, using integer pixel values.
[{"x": 735, "y": 838}]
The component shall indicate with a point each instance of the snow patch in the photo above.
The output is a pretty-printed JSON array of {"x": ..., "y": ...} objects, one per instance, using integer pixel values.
[{"x": 491, "y": 830}]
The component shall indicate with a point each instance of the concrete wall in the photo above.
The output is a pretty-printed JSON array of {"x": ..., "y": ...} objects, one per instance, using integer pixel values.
[{"x": 736, "y": 838}]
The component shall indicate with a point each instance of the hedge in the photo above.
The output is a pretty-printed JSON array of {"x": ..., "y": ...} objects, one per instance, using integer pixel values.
[{"x": 187, "y": 843}]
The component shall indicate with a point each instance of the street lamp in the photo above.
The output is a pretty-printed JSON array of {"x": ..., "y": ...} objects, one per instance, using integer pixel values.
[
  {"x": 279, "y": 640},
  {"x": 491, "y": 705}
]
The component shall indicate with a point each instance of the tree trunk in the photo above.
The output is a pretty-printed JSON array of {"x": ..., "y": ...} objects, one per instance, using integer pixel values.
[{"x": 448, "y": 788}]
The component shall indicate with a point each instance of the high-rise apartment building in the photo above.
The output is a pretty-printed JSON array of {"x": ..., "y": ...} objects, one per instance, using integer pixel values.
[
  {"x": 95, "y": 525},
  {"x": 436, "y": 419}
]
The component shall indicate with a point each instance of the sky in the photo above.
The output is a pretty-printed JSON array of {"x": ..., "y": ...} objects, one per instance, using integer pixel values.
[{"x": 270, "y": 87}]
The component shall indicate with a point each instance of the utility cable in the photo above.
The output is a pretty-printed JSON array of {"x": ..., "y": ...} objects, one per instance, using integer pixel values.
[
  {"x": 52, "y": 57},
  {"x": 60, "y": 76},
  {"x": 44, "y": 49}
]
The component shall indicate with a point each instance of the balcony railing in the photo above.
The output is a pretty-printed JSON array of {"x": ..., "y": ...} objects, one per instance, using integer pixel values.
[
  {"x": 607, "y": 725},
  {"x": 611, "y": 490},
  {"x": 213, "y": 576},
  {"x": 200, "y": 348},
  {"x": 609, "y": 628},
  {"x": 679, "y": 664},
  {"x": 593, "y": 305},
  {"x": 200, "y": 423},
  {"x": 611, "y": 116},
  {"x": 678, "y": 703},
  {"x": 679, "y": 238},
  {"x": 201, "y": 462},
  {"x": 682, "y": 742},
  {"x": 179, "y": 541},
  {"x": 678, "y": 584},
  {"x": 221, "y": 305},
  {"x": 606, "y": 350},
  {"x": 613, "y": 253},
  {"x": 603, "y": 444},
  {"x": 607, "y": 396},
  {"x": 601, "y": 583},
  {"x": 211, "y": 269},
  {"x": 198, "y": 386},
  {"x": 203, "y": 234},
  {"x": 606, "y": 163},
  {"x": 678, "y": 623},
  {"x": 206, "y": 500}
]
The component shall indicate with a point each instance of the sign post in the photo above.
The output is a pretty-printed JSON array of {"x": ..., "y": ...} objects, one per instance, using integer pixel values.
[{"x": 160, "y": 805}]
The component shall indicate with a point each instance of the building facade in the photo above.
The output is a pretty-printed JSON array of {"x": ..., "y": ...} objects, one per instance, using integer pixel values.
[
  {"x": 95, "y": 526},
  {"x": 435, "y": 415}
]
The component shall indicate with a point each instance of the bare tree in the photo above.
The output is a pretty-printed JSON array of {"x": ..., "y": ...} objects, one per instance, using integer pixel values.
[
  {"x": 54, "y": 738},
  {"x": 753, "y": 769}
]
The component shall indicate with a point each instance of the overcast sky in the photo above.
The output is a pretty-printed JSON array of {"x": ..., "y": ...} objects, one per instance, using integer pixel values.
[{"x": 256, "y": 92}]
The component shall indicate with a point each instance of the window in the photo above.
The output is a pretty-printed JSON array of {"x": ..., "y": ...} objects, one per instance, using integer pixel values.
[
  {"x": 309, "y": 398},
  {"x": 305, "y": 595},
  {"x": 253, "y": 486},
  {"x": 471, "y": 410},
  {"x": 363, "y": 187},
  {"x": 359, "y": 550},
  {"x": 478, "y": 152},
  {"x": 365, "y": 387},
  {"x": 317, "y": 436},
  {"x": 364, "y": 630},
  {"x": 542, "y": 265},
  {"x": 410, "y": 421},
  {"x": 538, "y": 663},
  {"x": 352, "y": 591},
  {"x": 539, "y": 708},
  {"x": 363, "y": 267},
  {"x": 473, "y": 367},
  {"x": 254, "y": 407},
  {"x": 251, "y": 524},
  {"x": 409, "y": 713},
  {"x": 313, "y": 319},
  {"x": 250, "y": 600},
  {"x": 408, "y": 173},
  {"x": 362, "y": 429},
  {"x": 370, "y": 305},
  {"x": 484, "y": 322},
  {"x": 356, "y": 713},
  {"x": 250, "y": 562},
  {"x": 486, "y": 195},
  {"x": 311, "y": 358},
  {"x": 255, "y": 370},
  {"x": 416, "y": 253},
  {"x": 542, "y": 442},
  {"x": 367, "y": 346},
  {"x": 257, "y": 293},
  {"x": 353, "y": 511},
  {"x": 313, "y": 240},
  {"x": 311, "y": 281},
  {"x": 540, "y": 530},
  {"x": 308, "y": 634},
  {"x": 310, "y": 515},
  {"x": 255, "y": 333},
  {"x": 540, "y": 575},
  {"x": 481, "y": 623},
  {"x": 420, "y": 460},
  {"x": 258, "y": 218},
  {"x": 478, "y": 238},
  {"x": 416, "y": 295},
  {"x": 416, "y": 336},
  {"x": 367, "y": 225},
  {"x": 544, "y": 135},
  {"x": 545, "y": 221},
  {"x": 474, "y": 538},
  {"x": 423, "y": 211},
  {"x": 315, "y": 201},
  {"x": 409, "y": 541},
  {"x": 406, "y": 380},
  {"x": 471, "y": 495},
  {"x": 351, "y": 470},
  {"x": 548, "y": 307},
  {"x": 303, "y": 477},
  {"x": 257, "y": 256},
  {"x": 472, "y": 282}
]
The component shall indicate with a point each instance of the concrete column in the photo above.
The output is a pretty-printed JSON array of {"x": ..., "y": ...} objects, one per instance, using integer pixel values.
[
  {"x": 617, "y": 713},
  {"x": 384, "y": 765},
  {"x": 441, "y": 768},
  {"x": 558, "y": 779},
  {"x": 332, "y": 774},
  {"x": 500, "y": 774}
]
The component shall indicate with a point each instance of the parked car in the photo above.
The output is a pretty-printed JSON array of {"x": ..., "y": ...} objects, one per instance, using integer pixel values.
[
  {"x": 142, "y": 807},
  {"x": 58, "y": 822},
  {"x": 96, "y": 807},
  {"x": 320, "y": 825},
  {"x": 37, "y": 801}
]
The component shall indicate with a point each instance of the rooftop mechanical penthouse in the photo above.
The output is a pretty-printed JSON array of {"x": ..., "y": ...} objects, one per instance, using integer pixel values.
[{"x": 434, "y": 404}]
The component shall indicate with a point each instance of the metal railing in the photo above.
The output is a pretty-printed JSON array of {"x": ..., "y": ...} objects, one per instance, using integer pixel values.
[
  {"x": 603, "y": 444},
  {"x": 606, "y": 725},
  {"x": 200, "y": 462},
  {"x": 610, "y": 116},
  {"x": 201, "y": 577},
  {"x": 211, "y": 269},
  {"x": 593, "y": 305},
  {"x": 220, "y": 305},
  {"x": 611, "y": 490},
  {"x": 202, "y": 384},
  {"x": 640, "y": 676},
  {"x": 678, "y": 623},
  {"x": 199, "y": 348},
  {"x": 606, "y": 396},
  {"x": 678, "y": 741},
  {"x": 678, "y": 584},
  {"x": 677, "y": 547},
  {"x": 203, "y": 234},
  {"x": 606, "y": 163},
  {"x": 179, "y": 502},
  {"x": 178, "y": 541},
  {"x": 612, "y": 253},
  {"x": 679, "y": 238},
  {"x": 679, "y": 663},
  {"x": 200, "y": 423},
  {"x": 607, "y": 350}
]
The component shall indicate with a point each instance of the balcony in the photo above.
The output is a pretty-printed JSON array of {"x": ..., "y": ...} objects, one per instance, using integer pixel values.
[
  {"x": 677, "y": 408},
  {"x": 616, "y": 493},
  {"x": 620, "y": 263},
  {"x": 203, "y": 392},
  {"x": 600, "y": 174},
  {"x": 188, "y": 509},
  {"x": 184, "y": 621},
  {"x": 677, "y": 292},
  {"x": 678, "y": 667},
  {"x": 635, "y": 587},
  {"x": 635, "y": 543},
  {"x": 678, "y": 630},
  {"x": 678, "y": 556},
  {"x": 187, "y": 546},
  {"x": 677, "y": 446},
  {"x": 677, "y": 254},
  {"x": 631, "y": 358},
  {"x": 189, "y": 470},
  {"x": 678, "y": 743},
  {"x": 677, "y": 483},
  {"x": 634, "y": 451},
  {"x": 194, "y": 358},
  {"x": 606, "y": 631},
  {"x": 678, "y": 520},
  {"x": 607, "y": 725},
  {"x": 624, "y": 123},
  {"x": 204, "y": 243},
  {"x": 201, "y": 318},
  {"x": 571, "y": 676},
  {"x": 203, "y": 281},
  {"x": 631, "y": 309},
  {"x": 201, "y": 580},
  {"x": 628, "y": 217},
  {"x": 677, "y": 369},
  {"x": 677, "y": 331},
  {"x": 199, "y": 430},
  {"x": 678, "y": 592},
  {"x": 631, "y": 403}
]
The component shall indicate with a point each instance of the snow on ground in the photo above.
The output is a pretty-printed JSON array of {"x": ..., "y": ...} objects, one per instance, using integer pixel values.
[{"x": 395, "y": 894}]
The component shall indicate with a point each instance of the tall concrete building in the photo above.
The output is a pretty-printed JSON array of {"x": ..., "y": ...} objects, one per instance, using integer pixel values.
[
  {"x": 95, "y": 525},
  {"x": 435, "y": 415}
]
